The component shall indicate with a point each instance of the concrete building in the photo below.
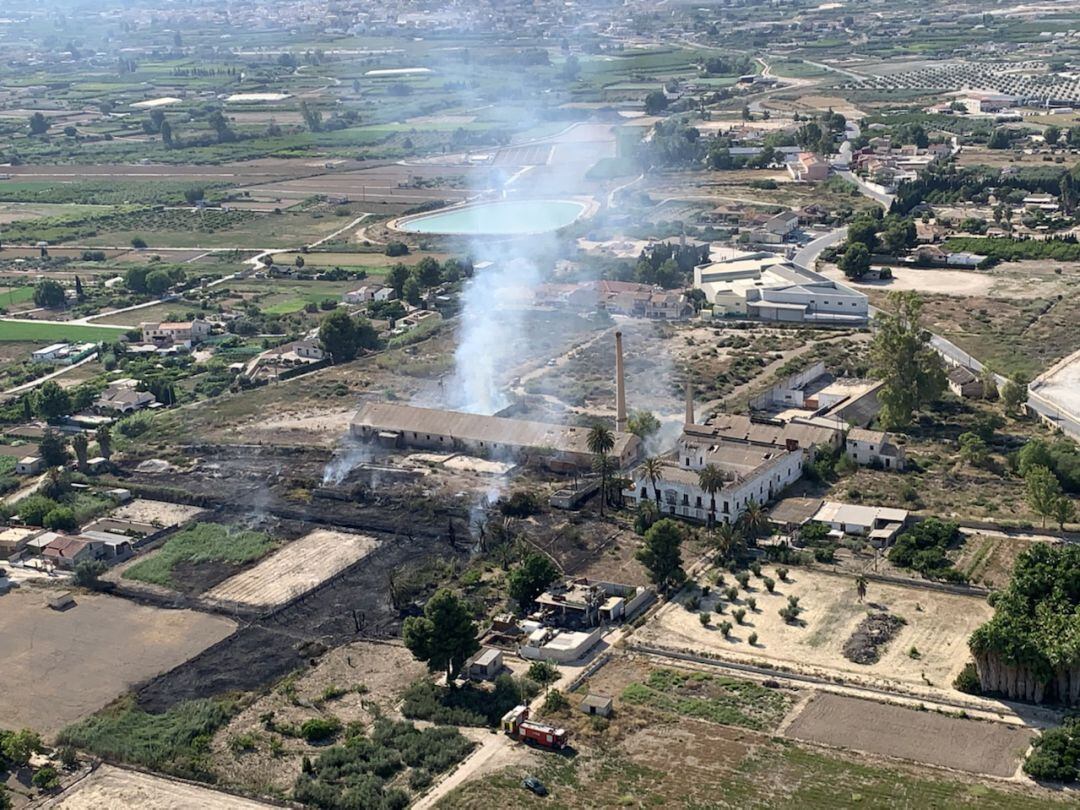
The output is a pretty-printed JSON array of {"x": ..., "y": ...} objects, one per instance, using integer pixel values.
[
  {"x": 29, "y": 465},
  {"x": 580, "y": 603},
  {"x": 485, "y": 665},
  {"x": 368, "y": 293},
  {"x": 599, "y": 705},
  {"x": 880, "y": 524},
  {"x": 63, "y": 354},
  {"x": 808, "y": 168},
  {"x": 14, "y": 539},
  {"x": 561, "y": 447},
  {"x": 559, "y": 646},
  {"x": 874, "y": 448},
  {"x": 772, "y": 288},
  {"x": 180, "y": 333},
  {"x": 776, "y": 229}
]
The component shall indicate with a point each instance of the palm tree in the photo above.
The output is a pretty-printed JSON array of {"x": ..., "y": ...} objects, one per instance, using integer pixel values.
[
  {"x": 711, "y": 479},
  {"x": 754, "y": 520},
  {"x": 860, "y": 587},
  {"x": 726, "y": 537},
  {"x": 79, "y": 444},
  {"x": 653, "y": 469},
  {"x": 104, "y": 439},
  {"x": 601, "y": 441}
]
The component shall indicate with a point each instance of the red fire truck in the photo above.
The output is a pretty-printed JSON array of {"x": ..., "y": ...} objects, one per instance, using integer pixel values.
[{"x": 517, "y": 724}]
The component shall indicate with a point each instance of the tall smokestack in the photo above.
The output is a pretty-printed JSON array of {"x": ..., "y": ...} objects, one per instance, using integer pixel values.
[
  {"x": 620, "y": 386},
  {"x": 689, "y": 400}
]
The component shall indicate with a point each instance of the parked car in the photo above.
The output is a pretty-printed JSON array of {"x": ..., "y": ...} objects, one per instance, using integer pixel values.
[{"x": 535, "y": 785}]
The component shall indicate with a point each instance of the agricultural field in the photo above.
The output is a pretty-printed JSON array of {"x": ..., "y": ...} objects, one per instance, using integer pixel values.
[
  {"x": 103, "y": 643},
  {"x": 202, "y": 548},
  {"x": 957, "y": 743},
  {"x": 110, "y": 786},
  {"x": 295, "y": 569},
  {"x": 936, "y": 625},
  {"x": 23, "y": 331},
  {"x": 647, "y": 756}
]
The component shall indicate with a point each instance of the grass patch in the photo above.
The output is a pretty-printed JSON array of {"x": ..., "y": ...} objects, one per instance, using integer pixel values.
[
  {"x": 769, "y": 773},
  {"x": 718, "y": 699},
  {"x": 177, "y": 741},
  {"x": 203, "y": 542},
  {"x": 55, "y": 332}
]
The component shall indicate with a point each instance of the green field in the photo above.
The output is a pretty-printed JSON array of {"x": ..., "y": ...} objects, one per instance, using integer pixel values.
[
  {"x": 9, "y": 296},
  {"x": 201, "y": 543},
  {"x": 53, "y": 332}
]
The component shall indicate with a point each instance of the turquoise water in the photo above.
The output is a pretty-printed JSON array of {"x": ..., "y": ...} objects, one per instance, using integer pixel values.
[{"x": 499, "y": 218}]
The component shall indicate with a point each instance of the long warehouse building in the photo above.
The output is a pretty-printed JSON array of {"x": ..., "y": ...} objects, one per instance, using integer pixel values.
[{"x": 559, "y": 447}]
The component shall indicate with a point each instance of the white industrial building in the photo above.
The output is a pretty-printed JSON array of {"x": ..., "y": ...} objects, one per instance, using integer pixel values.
[{"x": 772, "y": 288}]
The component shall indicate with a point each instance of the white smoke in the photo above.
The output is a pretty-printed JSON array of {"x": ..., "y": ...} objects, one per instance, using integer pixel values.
[
  {"x": 492, "y": 322},
  {"x": 348, "y": 456}
]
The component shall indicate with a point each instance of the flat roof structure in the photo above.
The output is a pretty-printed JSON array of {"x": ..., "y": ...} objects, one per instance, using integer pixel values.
[
  {"x": 731, "y": 427},
  {"x": 858, "y": 515}
]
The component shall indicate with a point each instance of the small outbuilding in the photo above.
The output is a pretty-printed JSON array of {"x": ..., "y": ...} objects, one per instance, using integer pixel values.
[
  {"x": 29, "y": 465},
  {"x": 600, "y": 705},
  {"x": 62, "y": 601},
  {"x": 485, "y": 665}
]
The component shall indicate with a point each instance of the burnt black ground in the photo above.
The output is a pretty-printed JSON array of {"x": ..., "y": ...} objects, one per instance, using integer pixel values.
[{"x": 260, "y": 653}]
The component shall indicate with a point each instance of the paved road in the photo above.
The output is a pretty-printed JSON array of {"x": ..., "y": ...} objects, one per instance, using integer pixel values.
[
  {"x": 885, "y": 200},
  {"x": 52, "y": 375},
  {"x": 807, "y": 255}
]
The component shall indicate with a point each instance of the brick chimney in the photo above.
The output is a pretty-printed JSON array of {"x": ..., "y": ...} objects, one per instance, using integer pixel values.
[{"x": 620, "y": 386}]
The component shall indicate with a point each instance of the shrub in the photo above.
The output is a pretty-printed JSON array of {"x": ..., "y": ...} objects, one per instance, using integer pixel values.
[
  {"x": 725, "y": 628},
  {"x": 719, "y": 580},
  {"x": 731, "y": 593},
  {"x": 720, "y": 608},
  {"x": 45, "y": 778},
  {"x": 320, "y": 729},
  {"x": 693, "y": 603},
  {"x": 34, "y": 508},
  {"x": 555, "y": 702},
  {"x": 739, "y": 615},
  {"x": 69, "y": 757},
  {"x": 62, "y": 518},
  {"x": 542, "y": 672},
  {"x": 87, "y": 573},
  {"x": 755, "y": 567},
  {"x": 922, "y": 548},
  {"x": 1056, "y": 754},
  {"x": 825, "y": 555},
  {"x": 770, "y": 584},
  {"x": 752, "y": 639},
  {"x": 704, "y": 618},
  {"x": 751, "y": 603},
  {"x": 520, "y": 504},
  {"x": 968, "y": 680},
  {"x": 743, "y": 578},
  {"x": 782, "y": 573}
]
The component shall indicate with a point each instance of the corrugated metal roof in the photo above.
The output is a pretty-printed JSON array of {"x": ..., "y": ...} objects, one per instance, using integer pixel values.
[{"x": 493, "y": 430}]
